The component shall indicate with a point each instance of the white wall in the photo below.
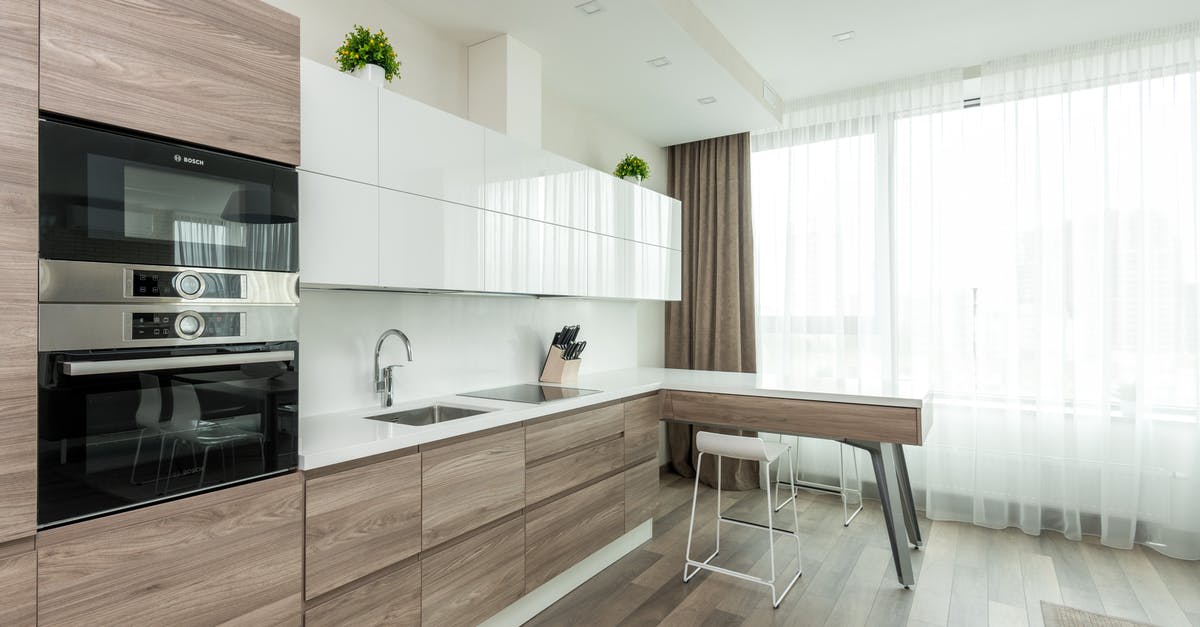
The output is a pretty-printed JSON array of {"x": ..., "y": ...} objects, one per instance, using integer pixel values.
[
  {"x": 433, "y": 68},
  {"x": 460, "y": 342}
]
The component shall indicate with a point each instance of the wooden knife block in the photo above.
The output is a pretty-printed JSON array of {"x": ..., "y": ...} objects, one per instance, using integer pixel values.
[{"x": 559, "y": 370}]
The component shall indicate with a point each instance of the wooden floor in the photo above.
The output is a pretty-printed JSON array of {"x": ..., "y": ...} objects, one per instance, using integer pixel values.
[{"x": 966, "y": 575}]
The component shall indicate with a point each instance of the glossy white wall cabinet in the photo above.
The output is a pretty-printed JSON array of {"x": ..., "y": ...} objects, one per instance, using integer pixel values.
[
  {"x": 339, "y": 124},
  {"x": 531, "y": 257},
  {"x": 426, "y": 151},
  {"x": 339, "y": 231},
  {"x": 430, "y": 244},
  {"x": 531, "y": 183}
]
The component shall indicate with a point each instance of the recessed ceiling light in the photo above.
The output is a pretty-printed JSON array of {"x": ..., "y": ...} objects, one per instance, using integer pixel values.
[
  {"x": 846, "y": 36},
  {"x": 659, "y": 62},
  {"x": 706, "y": 100},
  {"x": 590, "y": 8}
]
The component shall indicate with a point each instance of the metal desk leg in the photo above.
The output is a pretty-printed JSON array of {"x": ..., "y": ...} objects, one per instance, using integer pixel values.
[
  {"x": 884, "y": 462},
  {"x": 906, "y": 500}
]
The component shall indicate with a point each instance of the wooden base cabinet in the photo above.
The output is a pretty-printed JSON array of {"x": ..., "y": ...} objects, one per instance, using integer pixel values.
[
  {"x": 561, "y": 533},
  {"x": 231, "y": 555},
  {"x": 360, "y": 520},
  {"x": 641, "y": 428},
  {"x": 469, "y": 581},
  {"x": 18, "y": 584},
  {"x": 467, "y": 484},
  {"x": 390, "y": 599},
  {"x": 641, "y": 493}
]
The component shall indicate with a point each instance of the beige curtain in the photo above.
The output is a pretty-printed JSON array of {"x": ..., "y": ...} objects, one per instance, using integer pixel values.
[{"x": 712, "y": 328}]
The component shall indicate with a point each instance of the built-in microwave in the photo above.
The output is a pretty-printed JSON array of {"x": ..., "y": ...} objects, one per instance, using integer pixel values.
[{"x": 110, "y": 196}]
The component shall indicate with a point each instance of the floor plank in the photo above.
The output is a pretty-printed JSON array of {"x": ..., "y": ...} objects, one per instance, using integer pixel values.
[{"x": 966, "y": 575}]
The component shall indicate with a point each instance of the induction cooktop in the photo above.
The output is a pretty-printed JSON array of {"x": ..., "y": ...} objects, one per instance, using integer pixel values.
[{"x": 530, "y": 393}]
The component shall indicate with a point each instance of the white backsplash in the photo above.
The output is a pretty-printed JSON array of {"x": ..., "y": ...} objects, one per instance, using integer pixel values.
[{"x": 460, "y": 342}]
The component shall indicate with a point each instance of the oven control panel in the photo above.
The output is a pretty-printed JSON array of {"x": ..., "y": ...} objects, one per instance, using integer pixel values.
[
  {"x": 185, "y": 325},
  {"x": 186, "y": 284}
]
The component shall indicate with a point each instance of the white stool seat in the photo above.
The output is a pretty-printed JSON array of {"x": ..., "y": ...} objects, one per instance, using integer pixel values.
[{"x": 754, "y": 449}]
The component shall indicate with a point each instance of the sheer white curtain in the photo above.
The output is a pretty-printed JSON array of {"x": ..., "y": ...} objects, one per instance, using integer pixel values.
[{"x": 1039, "y": 255}]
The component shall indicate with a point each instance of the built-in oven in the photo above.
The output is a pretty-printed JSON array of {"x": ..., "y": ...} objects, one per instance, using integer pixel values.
[
  {"x": 145, "y": 401},
  {"x": 108, "y": 196}
]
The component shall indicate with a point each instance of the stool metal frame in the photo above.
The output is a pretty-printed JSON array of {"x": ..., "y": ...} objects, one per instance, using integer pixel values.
[
  {"x": 839, "y": 489},
  {"x": 770, "y": 527}
]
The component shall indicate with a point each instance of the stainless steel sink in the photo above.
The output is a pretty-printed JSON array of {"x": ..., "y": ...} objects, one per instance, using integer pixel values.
[{"x": 429, "y": 415}]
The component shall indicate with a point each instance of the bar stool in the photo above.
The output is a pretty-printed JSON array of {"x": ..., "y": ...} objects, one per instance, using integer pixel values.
[
  {"x": 752, "y": 449},
  {"x": 841, "y": 489}
]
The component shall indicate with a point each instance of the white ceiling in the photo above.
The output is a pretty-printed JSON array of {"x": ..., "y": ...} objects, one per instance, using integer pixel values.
[
  {"x": 598, "y": 61},
  {"x": 790, "y": 42}
]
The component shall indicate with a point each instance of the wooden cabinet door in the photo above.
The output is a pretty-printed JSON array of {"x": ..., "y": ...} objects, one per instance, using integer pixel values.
[
  {"x": 220, "y": 74},
  {"x": 562, "y": 532},
  {"x": 641, "y": 493},
  {"x": 558, "y": 475},
  {"x": 360, "y": 520},
  {"x": 18, "y": 268},
  {"x": 391, "y": 599},
  {"x": 469, "y": 581},
  {"x": 468, "y": 484},
  {"x": 641, "y": 428},
  {"x": 18, "y": 584},
  {"x": 233, "y": 554},
  {"x": 563, "y": 433}
]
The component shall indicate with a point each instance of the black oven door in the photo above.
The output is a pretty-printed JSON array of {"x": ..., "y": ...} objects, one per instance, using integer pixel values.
[
  {"x": 110, "y": 197},
  {"x": 120, "y": 429}
]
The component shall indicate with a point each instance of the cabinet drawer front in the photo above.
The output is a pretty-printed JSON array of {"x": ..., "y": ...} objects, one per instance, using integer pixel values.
[
  {"x": 220, "y": 74},
  {"x": 470, "y": 484},
  {"x": 566, "y": 473},
  {"x": 563, "y": 532},
  {"x": 641, "y": 428},
  {"x": 18, "y": 588},
  {"x": 393, "y": 599},
  {"x": 641, "y": 493},
  {"x": 360, "y": 520},
  {"x": 226, "y": 555},
  {"x": 567, "y": 432},
  {"x": 468, "y": 582},
  {"x": 901, "y": 425}
]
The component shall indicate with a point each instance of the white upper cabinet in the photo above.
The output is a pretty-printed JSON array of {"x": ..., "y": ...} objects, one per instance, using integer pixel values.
[
  {"x": 531, "y": 257},
  {"x": 429, "y": 244},
  {"x": 424, "y": 150},
  {"x": 339, "y": 231},
  {"x": 529, "y": 182},
  {"x": 339, "y": 124}
]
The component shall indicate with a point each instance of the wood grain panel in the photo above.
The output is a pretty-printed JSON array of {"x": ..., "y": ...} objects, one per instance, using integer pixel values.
[
  {"x": 561, "y": 533},
  {"x": 18, "y": 268},
  {"x": 223, "y": 556},
  {"x": 220, "y": 74},
  {"x": 549, "y": 438},
  {"x": 360, "y": 520},
  {"x": 18, "y": 589},
  {"x": 469, "y": 484},
  {"x": 641, "y": 493},
  {"x": 641, "y": 428},
  {"x": 472, "y": 580},
  {"x": 563, "y": 474},
  {"x": 781, "y": 415},
  {"x": 393, "y": 599}
]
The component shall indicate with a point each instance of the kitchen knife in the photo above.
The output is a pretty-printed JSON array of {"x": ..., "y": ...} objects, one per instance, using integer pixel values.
[
  {"x": 557, "y": 341},
  {"x": 579, "y": 349}
]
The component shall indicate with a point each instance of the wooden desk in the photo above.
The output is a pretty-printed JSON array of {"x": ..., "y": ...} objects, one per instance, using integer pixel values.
[{"x": 879, "y": 428}]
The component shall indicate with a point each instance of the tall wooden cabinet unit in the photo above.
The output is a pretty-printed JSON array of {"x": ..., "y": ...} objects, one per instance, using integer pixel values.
[
  {"x": 230, "y": 555},
  {"x": 18, "y": 269},
  {"x": 221, "y": 74}
]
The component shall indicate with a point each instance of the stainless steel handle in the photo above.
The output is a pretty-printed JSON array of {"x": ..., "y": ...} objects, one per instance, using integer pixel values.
[{"x": 84, "y": 368}]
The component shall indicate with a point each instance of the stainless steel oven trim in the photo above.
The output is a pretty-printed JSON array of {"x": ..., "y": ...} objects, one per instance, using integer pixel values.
[
  {"x": 64, "y": 327},
  {"x": 61, "y": 281},
  {"x": 114, "y": 366}
]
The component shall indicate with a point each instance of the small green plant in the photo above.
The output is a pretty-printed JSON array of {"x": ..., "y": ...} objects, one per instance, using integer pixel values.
[
  {"x": 362, "y": 47},
  {"x": 632, "y": 165}
]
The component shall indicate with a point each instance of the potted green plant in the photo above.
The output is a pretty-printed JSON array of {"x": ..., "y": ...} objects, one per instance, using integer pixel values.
[
  {"x": 632, "y": 168},
  {"x": 368, "y": 55}
]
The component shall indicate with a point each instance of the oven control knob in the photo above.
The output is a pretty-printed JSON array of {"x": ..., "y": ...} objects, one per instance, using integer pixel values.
[
  {"x": 189, "y": 284},
  {"x": 189, "y": 325}
]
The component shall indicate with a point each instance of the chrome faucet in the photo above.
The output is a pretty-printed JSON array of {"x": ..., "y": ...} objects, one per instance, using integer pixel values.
[{"x": 383, "y": 377}]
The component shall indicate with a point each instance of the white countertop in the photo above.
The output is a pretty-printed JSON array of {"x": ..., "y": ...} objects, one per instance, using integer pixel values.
[{"x": 347, "y": 435}]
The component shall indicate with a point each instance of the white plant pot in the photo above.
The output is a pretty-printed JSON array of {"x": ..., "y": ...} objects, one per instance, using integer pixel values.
[
  {"x": 372, "y": 73},
  {"x": 636, "y": 180}
]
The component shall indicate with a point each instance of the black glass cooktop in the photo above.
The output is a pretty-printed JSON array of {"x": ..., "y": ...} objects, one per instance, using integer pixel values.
[{"x": 530, "y": 393}]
